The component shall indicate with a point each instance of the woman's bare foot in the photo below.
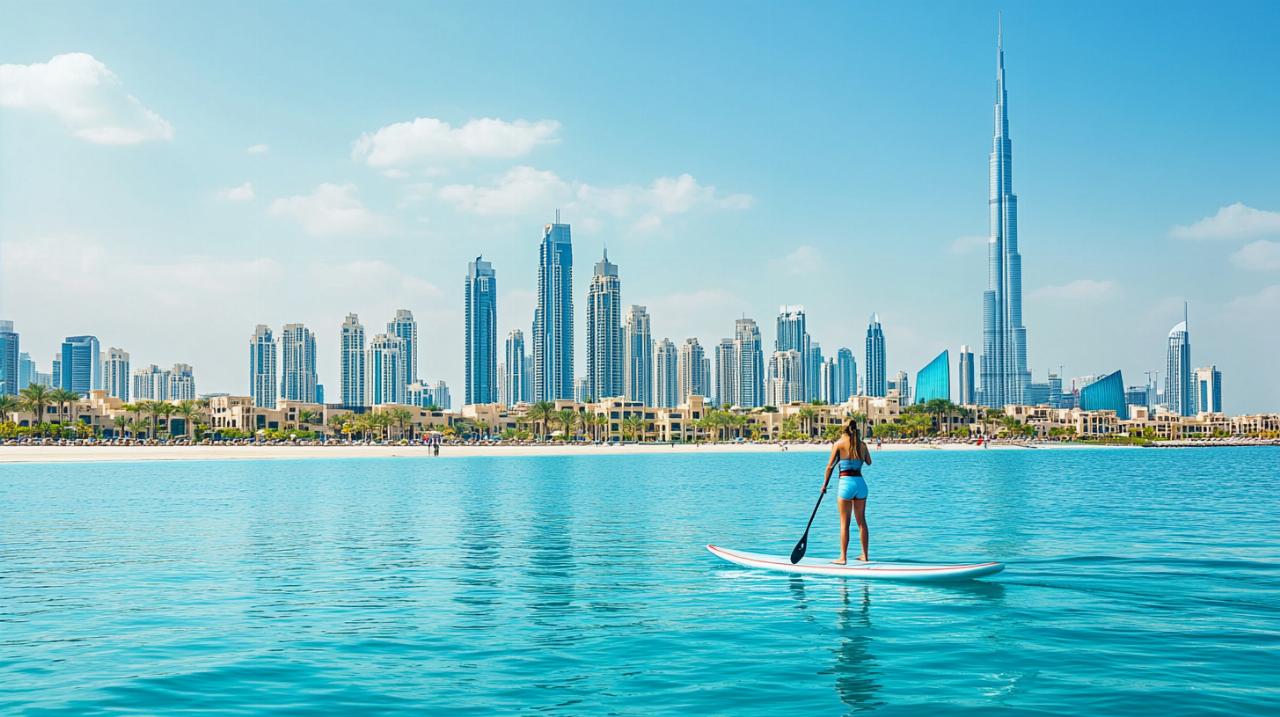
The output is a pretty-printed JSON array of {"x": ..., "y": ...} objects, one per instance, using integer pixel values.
[
  {"x": 864, "y": 559},
  {"x": 838, "y": 561}
]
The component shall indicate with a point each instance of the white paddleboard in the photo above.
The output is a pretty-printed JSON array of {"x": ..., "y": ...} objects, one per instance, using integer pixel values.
[{"x": 922, "y": 572}]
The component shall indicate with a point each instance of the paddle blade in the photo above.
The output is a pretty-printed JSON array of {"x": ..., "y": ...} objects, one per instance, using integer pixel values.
[{"x": 798, "y": 551}]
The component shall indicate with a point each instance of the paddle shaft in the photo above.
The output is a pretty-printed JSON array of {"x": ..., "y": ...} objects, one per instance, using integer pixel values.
[{"x": 803, "y": 545}]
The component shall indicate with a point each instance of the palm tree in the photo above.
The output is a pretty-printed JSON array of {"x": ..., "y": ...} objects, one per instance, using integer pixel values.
[
  {"x": 807, "y": 415},
  {"x": 189, "y": 410},
  {"x": 400, "y": 417},
  {"x": 568, "y": 418},
  {"x": 137, "y": 426},
  {"x": 633, "y": 426},
  {"x": 338, "y": 423},
  {"x": 35, "y": 398},
  {"x": 8, "y": 405},
  {"x": 167, "y": 410},
  {"x": 120, "y": 421},
  {"x": 63, "y": 397},
  {"x": 540, "y": 414},
  {"x": 308, "y": 417}
]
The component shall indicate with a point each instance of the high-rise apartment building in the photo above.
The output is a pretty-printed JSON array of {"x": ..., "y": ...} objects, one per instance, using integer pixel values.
[
  {"x": 726, "y": 373},
  {"x": 384, "y": 370},
  {"x": 637, "y": 356},
  {"x": 405, "y": 327},
  {"x": 150, "y": 384},
  {"x": 298, "y": 376},
  {"x": 967, "y": 395},
  {"x": 116, "y": 374},
  {"x": 605, "y": 358},
  {"x": 481, "y": 369},
  {"x": 794, "y": 336},
  {"x": 694, "y": 378},
  {"x": 828, "y": 378},
  {"x": 846, "y": 375},
  {"x": 786, "y": 377},
  {"x": 10, "y": 361},
  {"x": 26, "y": 370},
  {"x": 351, "y": 353},
  {"x": 875, "y": 363},
  {"x": 262, "y": 367},
  {"x": 182, "y": 382},
  {"x": 666, "y": 374},
  {"x": 81, "y": 364},
  {"x": 903, "y": 386},
  {"x": 1004, "y": 338},
  {"x": 517, "y": 390},
  {"x": 749, "y": 354},
  {"x": 1177, "y": 378},
  {"x": 812, "y": 370},
  {"x": 553, "y": 316},
  {"x": 1207, "y": 387}
]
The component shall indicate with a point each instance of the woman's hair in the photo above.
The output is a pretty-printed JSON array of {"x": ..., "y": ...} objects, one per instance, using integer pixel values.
[{"x": 855, "y": 436}]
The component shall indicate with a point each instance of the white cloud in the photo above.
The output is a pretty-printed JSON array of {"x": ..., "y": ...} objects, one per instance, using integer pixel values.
[
  {"x": 521, "y": 189},
  {"x": 803, "y": 261},
  {"x": 1234, "y": 221},
  {"x": 242, "y": 193},
  {"x": 1261, "y": 255},
  {"x": 1263, "y": 306},
  {"x": 426, "y": 139},
  {"x": 85, "y": 96},
  {"x": 395, "y": 173},
  {"x": 1080, "y": 291},
  {"x": 967, "y": 244},
  {"x": 258, "y": 149},
  {"x": 331, "y": 210}
]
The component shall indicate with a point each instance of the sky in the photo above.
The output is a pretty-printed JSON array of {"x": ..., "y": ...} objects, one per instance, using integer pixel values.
[{"x": 172, "y": 175}]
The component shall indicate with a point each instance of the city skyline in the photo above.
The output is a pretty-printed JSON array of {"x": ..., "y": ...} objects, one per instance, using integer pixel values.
[{"x": 782, "y": 255}]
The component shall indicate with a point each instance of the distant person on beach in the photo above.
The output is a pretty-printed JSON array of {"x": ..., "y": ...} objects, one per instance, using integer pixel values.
[{"x": 851, "y": 453}]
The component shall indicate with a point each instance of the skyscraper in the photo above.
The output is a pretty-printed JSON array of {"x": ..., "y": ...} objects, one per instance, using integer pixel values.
[
  {"x": 1177, "y": 377},
  {"x": 966, "y": 377},
  {"x": 262, "y": 367},
  {"x": 481, "y": 334},
  {"x": 298, "y": 377},
  {"x": 116, "y": 374},
  {"x": 604, "y": 331},
  {"x": 152, "y": 383},
  {"x": 351, "y": 353},
  {"x": 875, "y": 358},
  {"x": 786, "y": 377},
  {"x": 553, "y": 316},
  {"x": 692, "y": 375},
  {"x": 384, "y": 370},
  {"x": 1208, "y": 390},
  {"x": 81, "y": 364},
  {"x": 637, "y": 355},
  {"x": 749, "y": 354},
  {"x": 903, "y": 386},
  {"x": 934, "y": 380},
  {"x": 26, "y": 370},
  {"x": 666, "y": 374},
  {"x": 846, "y": 375},
  {"x": 829, "y": 379},
  {"x": 793, "y": 336},
  {"x": 1004, "y": 338},
  {"x": 726, "y": 373},
  {"x": 10, "y": 362},
  {"x": 182, "y": 382},
  {"x": 813, "y": 363},
  {"x": 516, "y": 370},
  {"x": 406, "y": 328}
]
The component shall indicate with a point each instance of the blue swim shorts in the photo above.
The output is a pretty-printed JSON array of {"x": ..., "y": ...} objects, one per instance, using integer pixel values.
[{"x": 852, "y": 487}]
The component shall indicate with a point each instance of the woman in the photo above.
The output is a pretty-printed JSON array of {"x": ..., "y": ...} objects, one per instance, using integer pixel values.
[{"x": 852, "y": 454}]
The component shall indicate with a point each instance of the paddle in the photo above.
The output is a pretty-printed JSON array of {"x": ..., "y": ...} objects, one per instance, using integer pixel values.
[{"x": 798, "y": 551}]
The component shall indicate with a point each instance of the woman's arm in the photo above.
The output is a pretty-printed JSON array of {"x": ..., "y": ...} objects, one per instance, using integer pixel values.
[
  {"x": 866, "y": 452},
  {"x": 831, "y": 463}
]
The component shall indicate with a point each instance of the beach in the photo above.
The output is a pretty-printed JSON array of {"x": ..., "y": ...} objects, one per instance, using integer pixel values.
[{"x": 99, "y": 453}]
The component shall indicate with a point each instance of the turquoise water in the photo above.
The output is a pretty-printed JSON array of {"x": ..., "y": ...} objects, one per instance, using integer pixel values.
[{"x": 1138, "y": 582}]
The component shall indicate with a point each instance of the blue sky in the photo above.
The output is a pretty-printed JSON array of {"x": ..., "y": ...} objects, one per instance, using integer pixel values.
[{"x": 733, "y": 157}]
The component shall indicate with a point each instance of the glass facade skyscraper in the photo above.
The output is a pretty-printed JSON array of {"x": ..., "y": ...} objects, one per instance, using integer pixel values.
[
  {"x": 1177, "y": 377},
  {"x": 406, "y": 327},
  {"x": 637, "y": 354},
  {"x": 81, "y": 364},
  {"x": 298, "y": 378},
  {"x": 692, "y": 371},
  {"x": 352, "y": 361},
  {"x": 262, "y": 367},
  {"x": 116, "y": 374},
  {"x": 1105, "y": 394},
  {"x": 481, "y": 327},
  {"x": 793, "y": 335},
  {"x": 665, "y": 374},
  {"x": 604, "y": 331},
  {"x": 10, "y": 361},
  {"x": 846, "y": 376},
  {"x": 553, "y": 316},
  {"x": 876, "y": 383},
  {"x": 1208, "y": 390},
  {"x": 516, "y": 388},
  {"x": 1004, "y": 338},
  {"x": 384, "y": 371},
  {"x": 934, "y": 380},
  {"x": 749, "y": 355}
]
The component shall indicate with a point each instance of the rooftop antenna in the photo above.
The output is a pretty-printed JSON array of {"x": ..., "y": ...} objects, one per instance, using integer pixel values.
[{"x": 557, "y": 216}]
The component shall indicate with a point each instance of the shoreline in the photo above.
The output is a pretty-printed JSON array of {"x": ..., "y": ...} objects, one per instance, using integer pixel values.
[{"x": 104, "y": 453}]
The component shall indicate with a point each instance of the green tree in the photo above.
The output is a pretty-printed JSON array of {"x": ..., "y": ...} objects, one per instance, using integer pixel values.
[
  {"x": 8, "y": 405},
  {"x": 64, "y": 398},
  {"x": 120, "y": 421},
  {"x": 36, "y": 398},
  {"x": 540, "y": 414},
  {"x": 633, "y": 426}
]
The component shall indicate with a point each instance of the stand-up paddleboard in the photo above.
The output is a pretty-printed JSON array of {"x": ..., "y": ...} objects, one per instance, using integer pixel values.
[{"x": 922, "y": 572}]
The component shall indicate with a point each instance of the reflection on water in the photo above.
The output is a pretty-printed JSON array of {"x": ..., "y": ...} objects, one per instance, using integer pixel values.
[{"x": 856, "y": 669}]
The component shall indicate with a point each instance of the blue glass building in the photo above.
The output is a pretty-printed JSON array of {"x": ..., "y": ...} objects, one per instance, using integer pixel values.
[
  {"x": 934, "y": 380},
  {"x": 875, "y": 383},
  {"x": 1105, "y": 394},
  {"x": 10, "y": 362},
  {"x": 481, "y": 333},
  {"x": 81, "y": 364},
  {"x": 553, "y": 316}
]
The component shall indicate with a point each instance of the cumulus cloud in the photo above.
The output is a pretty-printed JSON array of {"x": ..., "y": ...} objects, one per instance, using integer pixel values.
[
  {"x": 522, "y": 189},
  {"x": 1079, "y": 291},
  {"x": 1234, "y": 221},
  {"x": 258, "y": 149},
  {"x": 427, "y": 139},
  {"x": 1261, "y": 255},
  {"x": 802, "y": 261},
  {"x": 330, "y": 210},
  {"x": 242, "y": 193},
  {"x": 967, "y": 244},
  {"x": 85, "y": 96}
]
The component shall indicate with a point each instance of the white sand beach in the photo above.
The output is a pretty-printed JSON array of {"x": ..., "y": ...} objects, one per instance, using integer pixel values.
[{"x": 95, "y": 453}]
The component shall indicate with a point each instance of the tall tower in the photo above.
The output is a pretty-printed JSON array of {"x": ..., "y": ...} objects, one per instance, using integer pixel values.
[
  {"x": 262, "y": 367},
  {"x": 10, "y": 360},
  {"x": 116, "y": 374},
  {"x": 793, "y": 336},
  {"x": 749, "y": 355},
  {"x": 553, "y": 317},
  {"x": 637, "y": 352},
  {"x": 384, "y": 370},
  {"x": 481, "y": 333},
  {"x": 81, "y": 364},
  {"x": 1004, "y": 339},
  {"x": 846, "y": 375},
  {"x": 966, "y": 377},
  {"x": 517, "y": 372},
  {"x": 298, "y": 364},
  {"x": 692, "y": 370},
  {"x": 1177, "y": 377},
  {"x": 875, "y": 358},
  {"x": 604, "y": 331},
  {"x": 352, "y": 360},
  {"x": 665, "y": 375},
  {"x": 404, "y": 326}
]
